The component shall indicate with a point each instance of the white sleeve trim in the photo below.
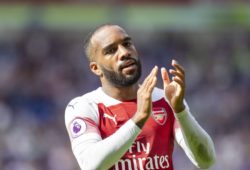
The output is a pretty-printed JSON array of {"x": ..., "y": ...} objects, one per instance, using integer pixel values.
[
  {"x": 194, "y": 140},
  {"x": 93, "y": 153}
]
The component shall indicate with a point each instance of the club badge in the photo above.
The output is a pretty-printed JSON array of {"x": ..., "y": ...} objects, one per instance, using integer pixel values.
[{"x": 160, "y": 115}]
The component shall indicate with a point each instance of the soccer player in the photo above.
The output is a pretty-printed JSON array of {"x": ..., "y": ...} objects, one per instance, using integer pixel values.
[{"x": 126, "y": 126}]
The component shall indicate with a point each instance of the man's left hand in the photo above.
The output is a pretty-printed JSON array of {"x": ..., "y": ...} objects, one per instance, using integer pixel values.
[{"x": 175, "y": 89}]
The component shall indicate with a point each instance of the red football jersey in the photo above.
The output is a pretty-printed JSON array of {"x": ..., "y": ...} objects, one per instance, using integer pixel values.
[{"x": 153, "y": 147}]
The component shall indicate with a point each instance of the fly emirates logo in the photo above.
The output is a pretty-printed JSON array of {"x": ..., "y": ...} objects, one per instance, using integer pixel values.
[{"x": 142, "y": 161}]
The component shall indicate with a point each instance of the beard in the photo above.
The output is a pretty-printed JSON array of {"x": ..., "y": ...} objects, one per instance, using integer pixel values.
[{"x": 118, "y": 79}]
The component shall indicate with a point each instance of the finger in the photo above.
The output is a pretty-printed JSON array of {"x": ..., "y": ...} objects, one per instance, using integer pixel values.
[
  {"x": 180, "y": 88},
  {"x": 147, "y": 78},
  {"x": 151, "y": 74},
  {"x": 176, "y": 73},
  {"x": 178, "y": 67},
  {"x": 179, "y": 81},
  {"x": 165, "y": 76},
  {"x": 154, "y": 71},
  {"x": 152, "y": 78},
  {"x": 152, "y": 85}
]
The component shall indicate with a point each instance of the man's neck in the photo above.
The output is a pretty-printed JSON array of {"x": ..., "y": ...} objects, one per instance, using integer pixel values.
[{"x": 121, "y": 93}]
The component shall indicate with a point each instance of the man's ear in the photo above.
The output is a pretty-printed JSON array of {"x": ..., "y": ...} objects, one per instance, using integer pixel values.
[{"x": 95, "y": 68}]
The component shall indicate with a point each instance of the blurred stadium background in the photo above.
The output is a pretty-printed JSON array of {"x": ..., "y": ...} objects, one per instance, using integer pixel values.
[{"x": 42, "y": 67}]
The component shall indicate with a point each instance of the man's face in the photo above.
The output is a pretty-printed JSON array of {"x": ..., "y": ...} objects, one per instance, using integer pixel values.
[{"x": 116, "y": 56}]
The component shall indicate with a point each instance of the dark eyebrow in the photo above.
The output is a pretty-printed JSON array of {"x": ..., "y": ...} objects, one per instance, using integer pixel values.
[
  {"x": 105, "y": 49},
  {"x": 127, "y": 38}
]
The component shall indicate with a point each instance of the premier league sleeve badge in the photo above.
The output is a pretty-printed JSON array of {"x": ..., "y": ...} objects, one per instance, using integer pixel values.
[{"x": 77, "y": 127}]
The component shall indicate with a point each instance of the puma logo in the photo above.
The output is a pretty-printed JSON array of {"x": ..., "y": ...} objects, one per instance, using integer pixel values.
[
  {"x": 110, "y": 117},
  {"x": 72, "y": 105}
]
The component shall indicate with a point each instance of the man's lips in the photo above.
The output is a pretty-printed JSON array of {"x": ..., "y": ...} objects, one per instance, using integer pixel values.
[{"x": 128, "y": 64}]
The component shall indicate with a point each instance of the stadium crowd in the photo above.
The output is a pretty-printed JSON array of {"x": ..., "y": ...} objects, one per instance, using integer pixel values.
[{"x": 41, "y": 70}]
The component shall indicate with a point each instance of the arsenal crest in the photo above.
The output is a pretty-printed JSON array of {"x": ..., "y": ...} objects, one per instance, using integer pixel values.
[{"x": 160, "y": 115}]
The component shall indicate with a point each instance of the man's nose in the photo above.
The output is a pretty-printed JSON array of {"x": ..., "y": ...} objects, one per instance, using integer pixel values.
[{"x": 124, "y": 52}]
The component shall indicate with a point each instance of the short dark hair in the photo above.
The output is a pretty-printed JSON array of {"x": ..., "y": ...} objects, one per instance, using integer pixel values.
[{"x": 87, "y": 43}]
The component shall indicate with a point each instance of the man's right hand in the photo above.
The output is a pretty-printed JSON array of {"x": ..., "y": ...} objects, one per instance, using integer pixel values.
[{"x": 144, "y": 98}]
